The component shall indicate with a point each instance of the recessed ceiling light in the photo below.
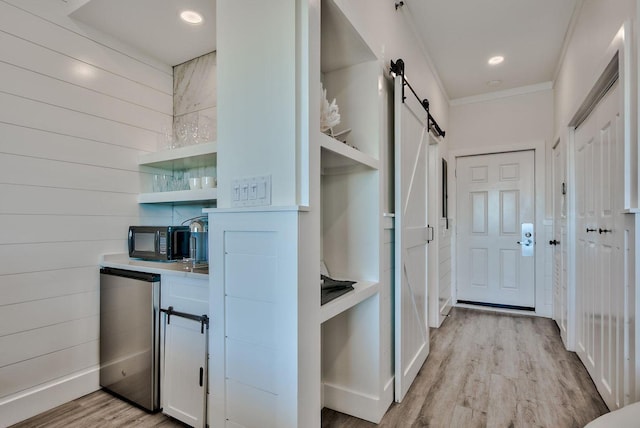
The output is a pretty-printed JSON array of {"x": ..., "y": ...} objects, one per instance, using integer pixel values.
[
  {"x": 495, "y": 60},
  {"x": 494, "y": 82},
  {"x": 191, "y": 17}
]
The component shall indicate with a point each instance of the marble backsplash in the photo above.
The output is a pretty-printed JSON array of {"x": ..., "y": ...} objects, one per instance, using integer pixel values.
[{"x": 194, "y": 89}]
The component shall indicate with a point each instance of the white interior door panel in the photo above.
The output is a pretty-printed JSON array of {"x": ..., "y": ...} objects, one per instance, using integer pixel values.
[
  {"x": 495, "y": 235},
  {"x": 411, "y": 156}
]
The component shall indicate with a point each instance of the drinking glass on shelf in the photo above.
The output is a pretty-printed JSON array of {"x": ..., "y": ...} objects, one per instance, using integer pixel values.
[
  {"x": 193, "y": 132},
  {"x": 182, "y": 132},
  {"x": 204, "y": 130},
  {"x": 160, "y": 182},
  {"x": 156, "y": 187}
]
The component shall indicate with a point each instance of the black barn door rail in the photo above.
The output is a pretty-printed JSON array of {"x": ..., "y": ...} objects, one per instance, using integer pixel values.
[
  {"x": 202, "y": 319},
  {"x": 398, "y": 69}
]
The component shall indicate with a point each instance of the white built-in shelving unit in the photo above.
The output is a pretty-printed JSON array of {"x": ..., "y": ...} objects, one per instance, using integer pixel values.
[
  {"x": 362, "y": 291},
  {"x": 356, "y": 336},
  {"x": 337, "y": 156},
  {"x": 180, "y": 159}
]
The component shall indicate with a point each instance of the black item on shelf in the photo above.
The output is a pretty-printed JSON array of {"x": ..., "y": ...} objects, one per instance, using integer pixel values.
[{"x": 333, "y": 288}]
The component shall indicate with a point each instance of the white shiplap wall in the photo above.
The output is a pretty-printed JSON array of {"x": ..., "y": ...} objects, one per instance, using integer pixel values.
[{"x": 76, "y": 109}]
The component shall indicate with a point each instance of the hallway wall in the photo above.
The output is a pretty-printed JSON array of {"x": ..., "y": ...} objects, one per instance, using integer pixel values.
[
  {"x": 501, "y": 120},
  {"x": 505, "y": 120},
  {"x": 586, "y": 55},
  {"x": 597, "y": 23}
]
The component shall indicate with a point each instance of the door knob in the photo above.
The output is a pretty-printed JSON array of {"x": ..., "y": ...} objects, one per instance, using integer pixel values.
[
  {"x": 591, "y": 230},
  {"x": 554, "y": 242},
  {"x": 601, "y": 231},
  {"x": 526, "y": 242}
]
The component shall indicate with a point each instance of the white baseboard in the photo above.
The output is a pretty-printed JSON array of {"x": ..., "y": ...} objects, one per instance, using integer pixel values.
[
  {"x": 25, "y": 404},
  {"x": 363, "y": 406}
]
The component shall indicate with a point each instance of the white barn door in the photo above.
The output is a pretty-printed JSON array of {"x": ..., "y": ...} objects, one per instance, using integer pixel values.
[{"x": 411, "y": 156}]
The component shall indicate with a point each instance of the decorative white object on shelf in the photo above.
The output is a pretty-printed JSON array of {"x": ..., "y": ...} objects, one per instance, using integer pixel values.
[{"x": 329, "y": 116}]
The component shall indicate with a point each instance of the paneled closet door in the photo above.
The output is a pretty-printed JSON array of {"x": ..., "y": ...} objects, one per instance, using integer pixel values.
[{"x": 599, "y": 258}]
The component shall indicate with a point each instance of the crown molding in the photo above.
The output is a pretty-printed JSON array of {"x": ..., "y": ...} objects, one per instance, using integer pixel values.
[{"x": 514, "y": 92}]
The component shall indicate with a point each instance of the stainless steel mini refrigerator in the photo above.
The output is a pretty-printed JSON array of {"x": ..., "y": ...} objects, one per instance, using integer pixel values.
[{"x": 130, "y": 335}]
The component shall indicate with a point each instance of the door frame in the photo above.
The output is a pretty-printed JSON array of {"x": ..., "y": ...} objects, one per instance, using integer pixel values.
[
  {"x": 543, "y": 291},
  {"x": 563, "y": 144}
]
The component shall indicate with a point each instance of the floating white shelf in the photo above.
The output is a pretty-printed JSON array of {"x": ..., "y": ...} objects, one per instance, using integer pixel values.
[
  {"x": 336, "y": 154},
  {"x": 362, "y": 291},
  {"x": 193, "y": 156},
  {"x": 178, "y": 196}
]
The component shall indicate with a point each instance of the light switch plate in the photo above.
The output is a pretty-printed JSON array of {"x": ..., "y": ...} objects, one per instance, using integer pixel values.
[{"x": 251, "y": 191}]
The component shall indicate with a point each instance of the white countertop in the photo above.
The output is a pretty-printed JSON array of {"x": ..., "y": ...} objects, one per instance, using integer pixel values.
[{"x": 122, "y": 261}]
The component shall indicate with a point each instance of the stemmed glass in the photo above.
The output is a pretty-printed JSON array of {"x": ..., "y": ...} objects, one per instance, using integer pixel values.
[
  {"x": 183, "y": 134},
  {"x": 193, "y": 132}
]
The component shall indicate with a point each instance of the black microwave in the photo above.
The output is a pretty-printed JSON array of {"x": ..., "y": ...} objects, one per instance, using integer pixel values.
[{"x": 163, "y": 243}]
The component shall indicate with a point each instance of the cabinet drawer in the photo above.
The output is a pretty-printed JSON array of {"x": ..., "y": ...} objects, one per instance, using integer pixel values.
[{"x": 185, "y": 294}]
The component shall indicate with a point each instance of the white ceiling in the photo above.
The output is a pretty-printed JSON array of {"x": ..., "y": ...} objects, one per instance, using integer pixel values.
[
  {"x": 461, "y": 35},
  {"x": 154, "y": 26}
]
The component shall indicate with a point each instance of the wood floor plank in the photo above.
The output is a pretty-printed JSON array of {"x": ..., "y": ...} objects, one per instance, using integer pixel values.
[
  {"x": 487, "y": 369},
  {"x": 99, "y": 409},
  {"x": 484, "y": 369},
  {"x": 468, "y": 418},
  {"x": 503, "y": 402}
]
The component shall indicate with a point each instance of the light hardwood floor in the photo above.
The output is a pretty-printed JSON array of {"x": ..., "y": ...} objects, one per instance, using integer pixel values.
[
  {"x": 493, "y": 370},
  {"x": 485, "y": 370},
  {"x": 97, "y": 410}
]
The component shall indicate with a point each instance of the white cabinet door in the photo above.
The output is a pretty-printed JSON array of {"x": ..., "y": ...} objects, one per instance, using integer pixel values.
[
  {"x": 185, "y": 367},
  {"x": 411, "y": 155},
  {"x": 184, "y": 375}
]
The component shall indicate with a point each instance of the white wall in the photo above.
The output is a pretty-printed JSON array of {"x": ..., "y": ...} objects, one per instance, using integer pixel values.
[
  {"x": 504, "y": 121},
  {"x": 597, "y": 24},
  {"x": 390, "y": 33},
  {"x": 257, "y": 101},
  {"x": 501, "y": 121},
  {"x": 75, "y": 111}
]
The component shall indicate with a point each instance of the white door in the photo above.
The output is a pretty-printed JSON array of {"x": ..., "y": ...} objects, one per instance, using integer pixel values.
[
  {"x": 559, "y": 241},
  {"x": 599, "y": 260},
  {"x": 411, "y": 330},
  {"x": 184, "y": 386},
  {"x": 495, "y": 246}
]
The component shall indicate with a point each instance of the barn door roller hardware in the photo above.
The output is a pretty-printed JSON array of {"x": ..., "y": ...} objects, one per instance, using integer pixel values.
[
  {"x": 202, "y": 319},
  {"x": 397, "y": 68}
]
